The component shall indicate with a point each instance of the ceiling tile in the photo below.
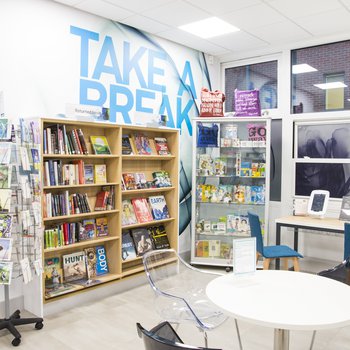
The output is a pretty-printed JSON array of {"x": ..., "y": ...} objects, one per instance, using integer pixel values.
[
  {"x": 192, "y": 41},
  {"x": 301, "y": 8},
  {"x": 176, "y": 13},
  {"x": 146, "y": 24},
  {"x": 239, "y": 41},
  {"x": 104, "y": 9},
  {"x": 282, "y": 32},
  {"x": 225, "y": 5},
  {"x": 69, "y": 2},
  {"x": 253, "y": 17},
  {"x": 138, "y": 6},
  {"x": 327, "y": 23}
]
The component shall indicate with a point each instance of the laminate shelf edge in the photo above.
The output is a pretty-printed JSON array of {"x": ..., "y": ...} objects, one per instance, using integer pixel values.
[{"x": 82, "y": 215}]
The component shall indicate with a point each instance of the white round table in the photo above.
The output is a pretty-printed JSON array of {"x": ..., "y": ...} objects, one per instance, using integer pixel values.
[{"x": 284, "y": 300}]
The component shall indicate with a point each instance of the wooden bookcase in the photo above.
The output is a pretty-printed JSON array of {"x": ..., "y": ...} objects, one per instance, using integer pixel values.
[
  {"x": 147, "y": 164},
  {"x": 116, "y": 164}
]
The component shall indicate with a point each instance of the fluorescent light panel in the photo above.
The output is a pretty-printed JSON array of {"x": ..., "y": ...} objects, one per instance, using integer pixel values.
[
  {"x": 209, "y": 28},
  {"x": 302, "y": 68},
  {"x": 333, "y": 85}
]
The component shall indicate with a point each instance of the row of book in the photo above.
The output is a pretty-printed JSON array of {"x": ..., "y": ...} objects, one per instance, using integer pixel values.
[
  {"x": 231, "y": 194},
  {"x": 141, "y": 210},
  {"x": 142, "y": 144},
  {"x": 253, "y": 169},
  {"x": 62, "y": 273},
  {"x": 235, "y": 225},
  {"x": 213, "y": 249},
  {"x": 75, "y": 173},
  {"x": 57, "y": 139},
  {"x": 138, "y": 241},
  {"x": 58, "y": 204},
  {"x": 136, "y": 181},
  {"x": 73, "y": 232}
]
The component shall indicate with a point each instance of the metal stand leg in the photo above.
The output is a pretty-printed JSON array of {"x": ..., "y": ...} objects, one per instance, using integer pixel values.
[
  {"x": 312, "y": 339},
  {"x": 238, "y": 335},
  {"x": 281, "y": 339}
]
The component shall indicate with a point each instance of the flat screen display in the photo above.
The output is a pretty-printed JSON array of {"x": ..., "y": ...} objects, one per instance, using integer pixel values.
[{"x": 318, "y": 202}]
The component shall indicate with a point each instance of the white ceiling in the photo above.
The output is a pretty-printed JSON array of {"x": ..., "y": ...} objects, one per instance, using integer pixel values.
[{"x": 263, "y": 23}]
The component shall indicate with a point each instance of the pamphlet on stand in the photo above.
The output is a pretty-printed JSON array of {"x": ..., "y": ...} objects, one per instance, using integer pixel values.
[{"x": 244, "y": 256}]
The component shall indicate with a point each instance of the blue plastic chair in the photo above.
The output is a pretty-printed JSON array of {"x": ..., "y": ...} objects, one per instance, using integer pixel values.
[
  {"x": 271, "y": 252},
  {"x": 346, "y": 240}
]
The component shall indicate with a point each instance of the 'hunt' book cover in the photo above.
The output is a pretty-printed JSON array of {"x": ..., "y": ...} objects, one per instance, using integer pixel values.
[{"x": 74, "y": 266}]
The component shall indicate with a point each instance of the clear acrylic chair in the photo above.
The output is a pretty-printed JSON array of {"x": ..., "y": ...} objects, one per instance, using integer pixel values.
[{"x": 180, "y": 291}]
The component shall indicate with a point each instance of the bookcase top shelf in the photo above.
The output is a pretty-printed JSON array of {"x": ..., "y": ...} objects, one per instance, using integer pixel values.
[{"x": 81, "y": 215}]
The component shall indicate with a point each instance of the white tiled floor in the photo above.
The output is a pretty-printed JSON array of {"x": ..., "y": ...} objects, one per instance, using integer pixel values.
[{"x": 111, "y": 324}]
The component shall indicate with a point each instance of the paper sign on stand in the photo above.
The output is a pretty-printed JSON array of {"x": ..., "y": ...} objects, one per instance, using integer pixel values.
[{"x": 244, "y": 255}]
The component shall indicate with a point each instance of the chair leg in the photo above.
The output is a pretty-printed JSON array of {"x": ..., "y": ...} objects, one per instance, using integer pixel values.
[
  {"x": 205, "y": 339},
  {"x": 238, "y": 335},
  {"x": 296, "y": 264},
  {"x": 312, "y": 339},
  {"x": 285, "y": 263},
  {"x": 266, "y": 264}
]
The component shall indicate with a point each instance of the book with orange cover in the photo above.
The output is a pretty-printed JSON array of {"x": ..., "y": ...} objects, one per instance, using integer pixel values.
[{"x": 142, "y": 210}]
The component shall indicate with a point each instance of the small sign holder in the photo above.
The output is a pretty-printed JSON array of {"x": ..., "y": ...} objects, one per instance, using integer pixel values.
[{"x": 244, "y": 256}]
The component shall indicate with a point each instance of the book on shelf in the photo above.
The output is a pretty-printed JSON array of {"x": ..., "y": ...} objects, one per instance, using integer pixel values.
[
  {"x": 74, "y": 266},
  {"x": 140, "y": 180},
  {"x": 52, "y": 272},
  {"x": 158, "y": 207},
  {"x": 90, "y": 228},
  {"x": 126, "y": 145},
  {"x": 220, "y": 166},
  {"x": 128, "y": 213},
  {"x": 202, "y": 248},
  {"x": 89, "y": 173},
  {"x": 63, "y": 288},
  {"x": 5, "y": 248},
  {"x": 225, "y": 250},
  {"x": 161, "y": 178},
  {"x": 214, "y": 248},
  {"x": 162, "y": 147},
  {"x": 142, "y": 240},
  {"x": 129, "y": 181},
  {"x": 91, "y": 260},
  {"x": 128, "y": 247},
  {"x": 101, "y": 261},
  {"x": 142, "y": 144},
  {"x": 100, "y": 173},
  {"x": 142, "y": 210},
  {"x": 159, "y": 237},
  {"x": 6, "y": 268},
  {"x": 100, "y": 145},
  {"x": 101, "y": 227},
  {"x": 101, "y": 200},
  {"x": 205, "y": 165}
]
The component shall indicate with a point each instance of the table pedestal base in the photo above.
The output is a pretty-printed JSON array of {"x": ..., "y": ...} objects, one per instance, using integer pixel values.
[{"x": 281, "y": 339}]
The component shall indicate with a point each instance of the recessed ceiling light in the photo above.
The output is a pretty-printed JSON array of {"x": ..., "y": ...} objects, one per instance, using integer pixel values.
[
  {"x": 302, "y": 68},
  {"x": 333, "y": 85},
  {"x": 209, "y": 28}
]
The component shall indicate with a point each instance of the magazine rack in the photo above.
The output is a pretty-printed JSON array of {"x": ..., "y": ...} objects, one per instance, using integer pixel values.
[{"x": 22, "y": 232}]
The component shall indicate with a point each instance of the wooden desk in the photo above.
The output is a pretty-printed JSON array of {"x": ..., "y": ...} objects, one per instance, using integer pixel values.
[{"x": 308, "y": 223}]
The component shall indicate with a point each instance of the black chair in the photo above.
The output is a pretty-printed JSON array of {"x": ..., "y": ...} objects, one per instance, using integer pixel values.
[{"x": 164, "y": 337}]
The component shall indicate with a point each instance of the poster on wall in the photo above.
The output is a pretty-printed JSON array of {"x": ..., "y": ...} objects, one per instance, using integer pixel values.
[{"x": 325, "y": 141}]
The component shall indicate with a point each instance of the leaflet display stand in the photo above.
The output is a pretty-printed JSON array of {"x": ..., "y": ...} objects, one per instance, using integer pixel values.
[{"x": 17, "y": 202}]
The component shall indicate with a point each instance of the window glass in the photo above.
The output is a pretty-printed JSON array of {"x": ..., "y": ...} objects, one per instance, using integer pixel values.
[
  {"x": 261, "y": 76},
  {"x": 321, "y": 78}
]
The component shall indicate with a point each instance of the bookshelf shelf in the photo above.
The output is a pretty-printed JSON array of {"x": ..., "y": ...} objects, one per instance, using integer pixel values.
[
  {"x": 144, "y": 158},
  {"x": 149, "y": 223},
  {"x": 83, "y": 156},
  {"x": 82, "y": 215},
  {"x": 82, "y": 244},
  {"x": 80, "y": 186},
  {"x": 148, "y": 190}
]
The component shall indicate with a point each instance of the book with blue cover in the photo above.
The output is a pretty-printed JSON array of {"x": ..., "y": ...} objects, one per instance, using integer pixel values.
[
  {"x": 158, "y": 207},
  {"x": 101, "y": 261}
]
